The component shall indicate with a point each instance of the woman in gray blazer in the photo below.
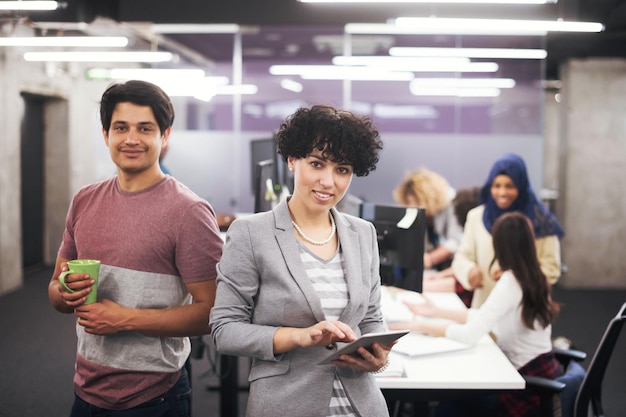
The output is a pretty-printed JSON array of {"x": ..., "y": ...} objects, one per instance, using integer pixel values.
[{"x": 294, "y": 281}]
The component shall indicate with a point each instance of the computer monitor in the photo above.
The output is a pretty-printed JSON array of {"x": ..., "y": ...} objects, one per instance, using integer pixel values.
[
  {"x": 260, "y": 150},
  {"x": 401, "y": 239},
  {"x": 266, "y": 186},
  {"x": 263, "y": 150}
]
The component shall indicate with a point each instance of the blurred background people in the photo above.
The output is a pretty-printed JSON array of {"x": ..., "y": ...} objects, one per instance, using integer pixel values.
[
  {"x": 444, "y": 280},
  {"x": 506, "y": 189},
  {"x": 519, "y": 313}
]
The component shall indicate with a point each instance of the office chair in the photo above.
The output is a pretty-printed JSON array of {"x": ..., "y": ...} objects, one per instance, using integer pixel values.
[
  {"x": 557, "y": 396},
  {"x": 590, "y": 391}
]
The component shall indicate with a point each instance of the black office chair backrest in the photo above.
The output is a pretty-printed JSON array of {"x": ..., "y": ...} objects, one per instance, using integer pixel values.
[{"x": 591, "y": 388}]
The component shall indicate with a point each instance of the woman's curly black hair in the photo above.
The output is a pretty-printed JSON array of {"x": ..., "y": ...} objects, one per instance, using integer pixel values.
[{"x": 342, "y": 136}]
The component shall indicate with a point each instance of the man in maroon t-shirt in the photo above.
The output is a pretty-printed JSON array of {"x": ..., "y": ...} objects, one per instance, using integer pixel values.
[{"x": 158, "y": 244}]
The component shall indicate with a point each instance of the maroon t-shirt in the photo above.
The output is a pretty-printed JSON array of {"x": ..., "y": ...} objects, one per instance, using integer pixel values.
[{"x": 151, "y": 243}]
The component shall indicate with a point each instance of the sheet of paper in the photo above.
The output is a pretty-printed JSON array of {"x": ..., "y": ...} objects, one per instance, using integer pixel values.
[
  {"x": 416, "y": 344},
  {"x": 410, "y": 215}
]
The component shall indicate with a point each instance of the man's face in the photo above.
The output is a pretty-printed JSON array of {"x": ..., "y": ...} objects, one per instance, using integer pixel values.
[{"x": 134, "y": 138}]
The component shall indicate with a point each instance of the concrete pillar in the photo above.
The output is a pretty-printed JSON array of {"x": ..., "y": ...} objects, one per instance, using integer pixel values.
[{"x": 593, "y": 172}]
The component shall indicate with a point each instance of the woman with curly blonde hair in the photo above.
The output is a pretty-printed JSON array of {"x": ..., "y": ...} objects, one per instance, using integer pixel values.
[{"x": 427, "y": 189}]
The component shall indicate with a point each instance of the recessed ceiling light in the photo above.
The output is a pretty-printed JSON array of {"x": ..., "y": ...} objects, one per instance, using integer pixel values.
[
  {"x": 435, "y": 1},
  {"x": 493, "y": 53},
  {"x": 453, "y": 26},
  {"x": 489, "y": 26},
  {"x": 122, "y": 56},
  {"x": 28, "y": 5},
  {"x": 65, "y": 41}
]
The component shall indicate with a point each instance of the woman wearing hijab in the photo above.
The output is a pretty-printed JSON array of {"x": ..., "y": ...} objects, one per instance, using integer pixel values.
[{"x": 507, "y": 189}]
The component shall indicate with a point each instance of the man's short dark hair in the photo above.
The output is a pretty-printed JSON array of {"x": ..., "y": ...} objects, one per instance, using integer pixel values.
[{"x": 141, "y": 93}]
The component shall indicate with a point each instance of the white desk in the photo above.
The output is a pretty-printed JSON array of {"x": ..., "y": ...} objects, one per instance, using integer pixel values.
[{"x": 479, "y": 368}]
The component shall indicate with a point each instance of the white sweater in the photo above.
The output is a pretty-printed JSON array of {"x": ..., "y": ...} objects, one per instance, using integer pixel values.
[
  {"x": 476, "y": 248},
  {"x": 501, "y": 314}
]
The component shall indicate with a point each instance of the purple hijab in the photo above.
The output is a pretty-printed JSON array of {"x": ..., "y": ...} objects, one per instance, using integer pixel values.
[{"x": 511, "y": 165}]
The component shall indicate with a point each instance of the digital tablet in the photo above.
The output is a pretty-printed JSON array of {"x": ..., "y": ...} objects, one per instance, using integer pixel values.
[{"x": 382, "y": 338}]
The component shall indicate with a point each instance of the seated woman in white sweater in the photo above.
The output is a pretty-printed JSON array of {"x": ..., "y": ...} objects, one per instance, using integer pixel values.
[{"x": 518, "y": 313}]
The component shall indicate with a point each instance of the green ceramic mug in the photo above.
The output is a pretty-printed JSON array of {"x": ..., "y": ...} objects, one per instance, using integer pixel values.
[{"x": 83, "y": 266}]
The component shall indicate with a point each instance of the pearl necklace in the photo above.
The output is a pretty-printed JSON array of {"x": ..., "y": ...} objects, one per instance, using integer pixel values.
[{"x": 317, "y": 242}]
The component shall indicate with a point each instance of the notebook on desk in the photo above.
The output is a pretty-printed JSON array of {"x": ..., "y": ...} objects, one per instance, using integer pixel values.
[{"x": 417, "y": 344}]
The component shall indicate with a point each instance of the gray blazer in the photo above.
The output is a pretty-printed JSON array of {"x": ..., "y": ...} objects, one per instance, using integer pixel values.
[{"x": 262, "y": 285}]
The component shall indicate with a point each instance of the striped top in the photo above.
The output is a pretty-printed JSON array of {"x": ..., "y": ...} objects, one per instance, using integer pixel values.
[{"x": 329, "y": 282}]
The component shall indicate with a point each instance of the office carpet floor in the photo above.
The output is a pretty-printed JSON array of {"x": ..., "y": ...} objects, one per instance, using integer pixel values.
[{"x": 37, "y": 350}]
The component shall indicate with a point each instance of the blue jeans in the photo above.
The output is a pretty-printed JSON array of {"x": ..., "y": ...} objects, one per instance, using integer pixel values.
[{"x": 174, "y": 403}]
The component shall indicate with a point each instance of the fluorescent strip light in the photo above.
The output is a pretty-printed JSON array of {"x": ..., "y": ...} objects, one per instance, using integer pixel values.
[
  {"x": 126, "y": 56},
  {"x": 390, "y": 29},
  {"x": 398, "y": 62},
  {"x": 191, "y": 88},
  {"x": 471, "y": 67},
  {"x": 459, "y": 64},
  {"x": 331, "y": 72},
  {"x": 149, "y": 74},
  {"x": 412, "y": 111},
  {"x": 194, "y": 28},
  {"x": 61, "y": 26},
  {"x": 359, "y": 76},
  {"x": 491, "y": 26},
  {"x": 155, "y": 73},
  {"x": 66, "y": 41},
  {"x": 207, "y": 92},
  {"x": 447, "y": 28},
  {"x": 291, "y": 85},
  {"x": 435, "y": 1},
  {"x": 204, "y": 88},
  {"x": 463, "y": 82},
  {"x": 28, "y": 5},
  {"x": 455, "y": 92},
  {"x": 493, "y": 53}
]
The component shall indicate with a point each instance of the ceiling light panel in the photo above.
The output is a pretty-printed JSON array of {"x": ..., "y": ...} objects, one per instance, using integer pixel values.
[
  {"x": 332, "y": 72},
  {"x": 453, "y": 26},
  {"x": 398, "y": 62},
  {"x": 291, "y": 85},
  {"x": 433, "y": 1},
  {"x": 444, "y": 64},
  {"x": 454, "y": 92},
  {"x": 491, "y": 53},
  {"x": 489, "y": 26},
  {"x": 155, "y": 75},
  {"x": 125, "y": 56},
  {"x": 463, "y": 82},
  {"x": 28, "y": 5},
  {"x": 180, "y": 28},
  {"x": 65, "y": 41}
]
